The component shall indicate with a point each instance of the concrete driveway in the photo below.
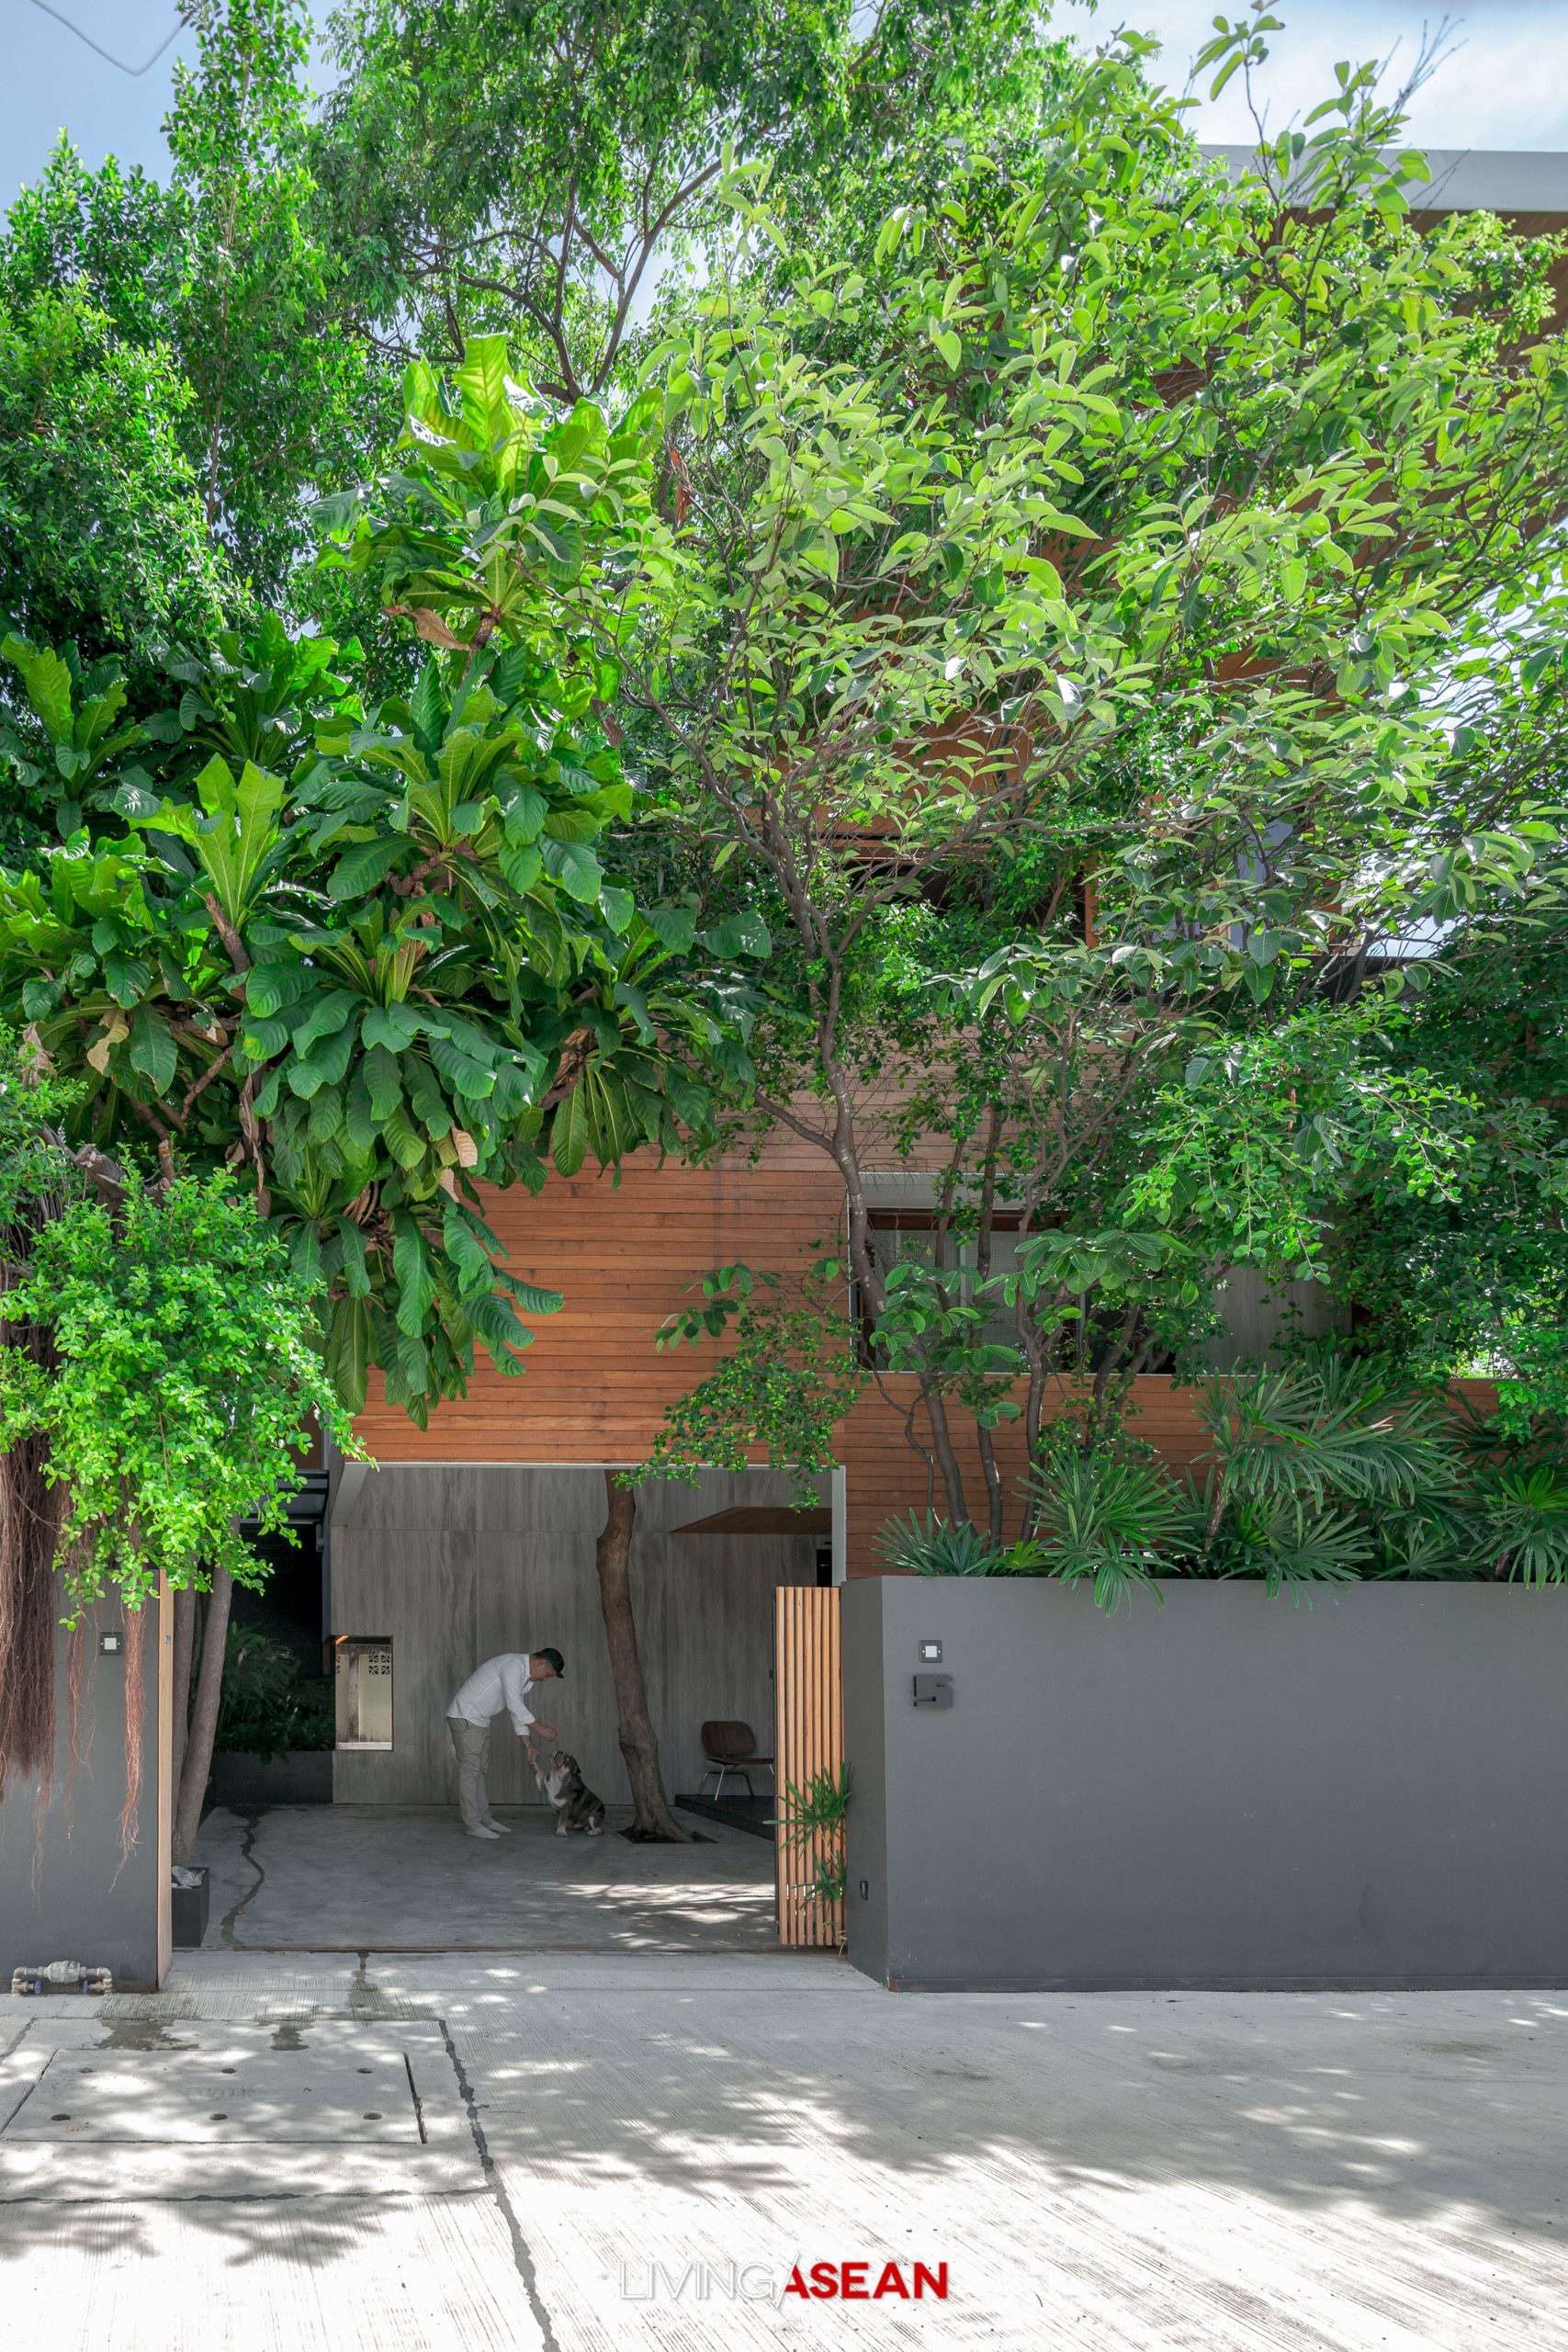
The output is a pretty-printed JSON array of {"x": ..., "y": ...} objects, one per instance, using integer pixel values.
[
  {"x": 341, "y": 1878},
  {"x": 612, "y": 2153}
]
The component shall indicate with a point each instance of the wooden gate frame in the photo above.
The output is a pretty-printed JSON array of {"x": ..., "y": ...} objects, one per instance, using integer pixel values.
[{"x": 809, "y": 1737}]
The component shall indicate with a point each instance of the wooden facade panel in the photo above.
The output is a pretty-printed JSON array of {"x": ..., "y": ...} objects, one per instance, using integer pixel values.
[
  {"x": 596, "y": 1388},
  {"x": 808, "y": 1741}
]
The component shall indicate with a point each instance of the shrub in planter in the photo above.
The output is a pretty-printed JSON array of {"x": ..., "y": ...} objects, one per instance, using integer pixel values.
[{"x": 1322, "y": 1473}]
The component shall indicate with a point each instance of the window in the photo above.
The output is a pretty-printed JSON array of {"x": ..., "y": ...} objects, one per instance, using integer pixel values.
[
  {"x": 902, "y": 1235},
  {"x": 363, "y": 1669}
]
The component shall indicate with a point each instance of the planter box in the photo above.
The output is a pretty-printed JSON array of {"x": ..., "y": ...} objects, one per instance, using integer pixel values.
[
  {"x": 1226, "y": 1791},
  {"x": 188, "y": 1909},
  {"x": 302, "y": 1777}
]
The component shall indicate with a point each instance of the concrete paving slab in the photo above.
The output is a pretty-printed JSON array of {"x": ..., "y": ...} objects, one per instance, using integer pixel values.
[
  {"x": 639, "y": 2151},
  {"x": 351, "y": 1877},
  {"x": 284, "y": 2275}
]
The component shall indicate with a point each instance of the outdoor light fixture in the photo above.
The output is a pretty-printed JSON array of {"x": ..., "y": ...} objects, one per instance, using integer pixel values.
[
  {"x": 112, "y": 1645},
  {"x": 930, "y": 1653}
]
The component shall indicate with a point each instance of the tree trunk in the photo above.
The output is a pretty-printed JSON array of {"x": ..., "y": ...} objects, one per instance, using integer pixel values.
[
  {"x": 185, "y": 1655},
  {"x": 29, "y": 1612},
  {"x": 652, "y": 1820},
  {"x": 204, "y": 1716}
]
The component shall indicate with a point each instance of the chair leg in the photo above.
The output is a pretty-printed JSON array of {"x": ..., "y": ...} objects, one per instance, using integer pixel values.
[
  {"x": 719, "y": 1790},
  {"x": 746, "y": 1778}
]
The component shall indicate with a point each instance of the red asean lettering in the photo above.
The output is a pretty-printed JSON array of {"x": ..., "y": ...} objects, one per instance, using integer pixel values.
[
  {"x": 936, "y": 2280},
  {"x": 851, "y": 2281},
  {"x": 890, "y": 2283},
  {"x": 825, "y": 2280},
  {"x": 797, "y": 2285}
]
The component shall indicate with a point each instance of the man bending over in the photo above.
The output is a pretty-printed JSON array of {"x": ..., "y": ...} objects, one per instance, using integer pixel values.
[{"x": 506, "y": 1682}]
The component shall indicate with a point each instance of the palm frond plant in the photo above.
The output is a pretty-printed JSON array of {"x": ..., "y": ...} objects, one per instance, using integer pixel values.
[
  {"x": 1291, "y": 1542},
  {"x": 813, "y": 1818},
  {"x": 1519, "y": 1515},
  {"x": 1323, "y": 1427},
  {"x": 1108, "y": 1514},
  {"x": 1430, "y": 1539},
  {"x": 940, "y": 1548}
]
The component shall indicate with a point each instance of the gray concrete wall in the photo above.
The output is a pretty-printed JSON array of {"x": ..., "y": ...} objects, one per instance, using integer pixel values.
[
  {"x": 65, "y": 1892},
  {"x": 459, "y": 1561},
  {"x": 1222, "y": 1791}
]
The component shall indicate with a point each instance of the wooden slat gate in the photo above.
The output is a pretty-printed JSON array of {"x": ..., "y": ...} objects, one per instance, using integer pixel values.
[{"x": 809, "y": 1737}]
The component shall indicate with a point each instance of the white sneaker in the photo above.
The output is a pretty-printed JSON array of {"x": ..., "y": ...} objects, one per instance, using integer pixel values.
[
  {"x": 499, "y": 1829},
  {"x": 481, "y": 1833}
]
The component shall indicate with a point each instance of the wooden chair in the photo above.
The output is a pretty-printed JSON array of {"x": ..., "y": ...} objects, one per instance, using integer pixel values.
[{"x": 732, "y": 1747}]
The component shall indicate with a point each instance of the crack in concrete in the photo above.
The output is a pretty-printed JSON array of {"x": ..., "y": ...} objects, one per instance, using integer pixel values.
[
  {"x": 247, "y": 1839},
  {"x": 17, "y": 2039},
  {"x": 522, "y": 2259}
]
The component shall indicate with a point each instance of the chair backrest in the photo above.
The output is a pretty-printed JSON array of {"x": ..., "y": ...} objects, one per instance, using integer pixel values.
[{"x": 722, "y": 1739}]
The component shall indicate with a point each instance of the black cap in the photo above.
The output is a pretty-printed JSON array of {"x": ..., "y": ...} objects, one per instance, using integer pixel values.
[{"x": 556, "y": 1659}]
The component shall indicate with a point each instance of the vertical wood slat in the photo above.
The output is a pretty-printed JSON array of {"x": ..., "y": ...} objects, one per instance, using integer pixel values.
[
  {"x": 163, "y": 1746},
  {"x": 808, "y": 1739}
]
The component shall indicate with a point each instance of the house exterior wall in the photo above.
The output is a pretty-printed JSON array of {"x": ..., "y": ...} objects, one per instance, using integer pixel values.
[
  {"x": 458, "y": 1562},
  {"x": 597, "y": 1387}
]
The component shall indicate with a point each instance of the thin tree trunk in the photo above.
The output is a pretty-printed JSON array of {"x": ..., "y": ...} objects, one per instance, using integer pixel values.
[
  {"x": 185, "y": 1655},
  {"x": 204, "y": 1716},
  {"x": 652, "y": 1820},
  {"x": 946, "y": 1458},
  {"x": 991, "y": 1471}
]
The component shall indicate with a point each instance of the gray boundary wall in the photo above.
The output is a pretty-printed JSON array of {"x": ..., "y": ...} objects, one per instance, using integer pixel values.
[
  {"x": 65, "y": 1893},
  {"x": 1226, "y": 1791}
]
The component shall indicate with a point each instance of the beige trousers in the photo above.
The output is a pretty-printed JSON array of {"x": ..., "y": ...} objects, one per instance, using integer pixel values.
[{"x": 471, "y": 1746}]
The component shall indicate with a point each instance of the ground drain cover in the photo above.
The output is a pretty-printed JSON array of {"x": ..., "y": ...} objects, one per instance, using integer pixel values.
[{"x": 187, "y": 2097}]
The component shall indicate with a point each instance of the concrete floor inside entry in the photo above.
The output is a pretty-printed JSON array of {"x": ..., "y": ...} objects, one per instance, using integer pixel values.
[{"x": 396, "y": 1878}]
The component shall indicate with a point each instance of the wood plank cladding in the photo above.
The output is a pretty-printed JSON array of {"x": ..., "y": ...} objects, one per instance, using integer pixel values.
[
  {"x": 596, "y": 1388},
  {"x": 885, "y": 1478},
  {"x": 809, "y": 1739}
]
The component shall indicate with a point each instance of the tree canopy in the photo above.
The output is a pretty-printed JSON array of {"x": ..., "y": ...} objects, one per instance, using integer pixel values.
[
  {"x": 1066, "y": 585},
  {"x": 990, "y": 642},
  {"x": 371, "y": 955}
]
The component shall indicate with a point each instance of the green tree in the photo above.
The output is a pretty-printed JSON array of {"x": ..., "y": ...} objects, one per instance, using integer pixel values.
[
  {"x": 102, "y": 540},
  {"x": 389, "y": 965},
  {"x": 542, "y": 170},
  {"x": 222, "y": 278},
  {"x": 159, "y": 1369},
  {"x": 1035, "y": 635}
]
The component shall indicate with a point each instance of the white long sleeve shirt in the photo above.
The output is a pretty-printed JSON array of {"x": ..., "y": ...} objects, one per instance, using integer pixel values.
[{"x": 500, "y": 1682}]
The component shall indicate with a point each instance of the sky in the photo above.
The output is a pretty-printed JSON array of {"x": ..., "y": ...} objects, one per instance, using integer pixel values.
[{"x": 1505, "y": 84}]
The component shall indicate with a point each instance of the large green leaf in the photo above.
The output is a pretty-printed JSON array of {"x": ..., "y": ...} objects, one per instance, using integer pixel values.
[
  {"x": 575, "y": 867},
  {"x": 153, "y": 1049},
  {"x": 365, "y": 866},
  {"x": 349, "y": 1351},
  {"x": 569, "y": 1134},
  {"x": 48, "y": 684},
  {"x": 416, "y": 1275},
  {"x": 236, "y": 833}
]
